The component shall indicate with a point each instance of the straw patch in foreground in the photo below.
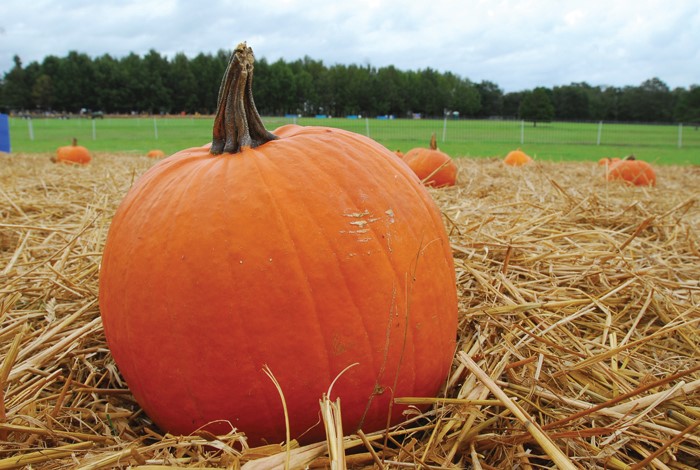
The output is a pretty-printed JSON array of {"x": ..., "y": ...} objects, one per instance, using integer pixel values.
[{"x": 579, "y": 311}]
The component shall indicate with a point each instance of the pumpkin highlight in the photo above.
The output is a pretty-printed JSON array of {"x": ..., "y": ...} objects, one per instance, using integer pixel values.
[
  {"x": 433, "y": 167},
  {"x": 305, "y": 250},
  {"x": 73, "y": 154}
]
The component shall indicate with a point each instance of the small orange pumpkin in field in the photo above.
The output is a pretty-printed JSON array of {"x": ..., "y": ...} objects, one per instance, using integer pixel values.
[
  {"x": 631, "y": 170},
  {"x": 398, "y": 153},
  {"x": 73, "y": 154},
  {"x": 433, "y": 167},
  {"x": 301, "y": 252},
  {"x": 608, "y": 161},
  {"x": 155, "y": 153},
  {"x": 517, "y": 158}
]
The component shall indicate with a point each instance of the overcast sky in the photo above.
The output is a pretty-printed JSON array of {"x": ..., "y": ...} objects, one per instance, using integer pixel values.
[{"x": 518, "y": 45}]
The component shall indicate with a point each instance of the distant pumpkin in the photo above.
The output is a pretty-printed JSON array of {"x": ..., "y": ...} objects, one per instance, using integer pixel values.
[
  {"x": 398, "y": 153},
  {"x": 631, "y": 170},
  {"x": 433, "y": 167},
  {"x": 608, "y": 161},
  {"x": 517, "y": 158},
  {"x": 73, "y": 154},
  {"x": 155, "y": 153}
]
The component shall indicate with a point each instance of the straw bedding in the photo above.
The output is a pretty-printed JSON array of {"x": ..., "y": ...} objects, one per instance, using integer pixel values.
[{"x": 578, "y": 342}]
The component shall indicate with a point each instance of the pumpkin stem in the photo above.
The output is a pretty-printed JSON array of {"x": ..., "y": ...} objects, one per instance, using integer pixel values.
[
  {"x": 237, "y": 124},
  {"x": 433, "y": 142},
  {"x": 75, "y": 142}
]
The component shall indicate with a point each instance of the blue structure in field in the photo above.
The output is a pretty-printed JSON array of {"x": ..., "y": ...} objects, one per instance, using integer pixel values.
[{"x": 4, "y": 133}]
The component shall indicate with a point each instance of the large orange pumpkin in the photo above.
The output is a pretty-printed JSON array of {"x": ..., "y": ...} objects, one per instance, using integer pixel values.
[
  {"x": 517, "y": 158},
  {"x": 631, "y": 170},
  {"x": 433, "y": 167},
  {"x": 73, "y": 154},
  {"x": 306, "y": 251}
]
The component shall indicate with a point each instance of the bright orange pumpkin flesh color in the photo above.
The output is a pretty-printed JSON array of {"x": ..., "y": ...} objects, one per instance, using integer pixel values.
[
  {"x": 636, "y": 172},
  {"x": 433, "y": 167},
  {"x": 155, "y": 153},
  {"x": 73, "y": 154},
  {"x": 306, "y": 253},
  {"x": 517, "y": 158}
]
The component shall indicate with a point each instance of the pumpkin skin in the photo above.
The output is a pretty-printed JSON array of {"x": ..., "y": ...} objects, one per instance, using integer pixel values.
[
  {"x": 517, "y": 158},
  {"x": 433, "y": 167},
  {"x": 73, "y": 154},
  {"x": 155, "y": 153},
  {"x": 636, "y": 172},
  {"x": 306, "y": 254}
]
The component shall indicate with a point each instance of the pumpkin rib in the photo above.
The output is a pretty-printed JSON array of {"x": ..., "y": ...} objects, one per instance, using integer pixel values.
[
  {"x": 377, "y": 237},
  {"x": 352, "y": 168},
  {"x": 178, "y": 194},
  {"x": 280, "y": 215},
  {"x": 273, "y": 400},
  {"x": 345, "y": 276}
]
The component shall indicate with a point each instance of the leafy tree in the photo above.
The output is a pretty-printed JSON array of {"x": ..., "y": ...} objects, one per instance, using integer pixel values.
[
  {"x": 155, "y": 84},
  {"x": 688, "y": 105},
  {"x": 571, "y": 102},
  {"x": 610, "y": 103},
  {"x": 17, "y": 87},
  {"x": 511, "y": 103},
  {"x": 491, "y": 99},
  {"x": 536, "y": 106},
  {"x": 466, "y": 99},
  {"x": 42, "y": 92},
  {"x": 652, "y": 101},
  {"x": 113, "y": 92},
  {"x": 182, "y": 85},
  {"x": 158, "y": 97},
  {"x": 75, "y": 84},
  {"x": 207, "y": 71}
]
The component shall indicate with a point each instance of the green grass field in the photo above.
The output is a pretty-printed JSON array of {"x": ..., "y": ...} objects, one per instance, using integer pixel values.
[{"x": 486, "y": 138}]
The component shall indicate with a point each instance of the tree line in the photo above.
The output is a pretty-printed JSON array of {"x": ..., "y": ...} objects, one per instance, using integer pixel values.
[{"x": 155, "y": 84}]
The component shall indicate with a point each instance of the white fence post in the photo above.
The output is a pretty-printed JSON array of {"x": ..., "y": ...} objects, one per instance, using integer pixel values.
[
  {"x": 367, "y": 125},
  {"x": 444, "y": 129},
  {"x": 94, "y": 131},
  {"x": 680, "y": 135},
  {"x": 30, "y": 126},
  {"x": 600, "y": 132}
]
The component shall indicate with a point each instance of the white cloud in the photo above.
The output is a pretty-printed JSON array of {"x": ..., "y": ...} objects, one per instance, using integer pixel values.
[{"x": 516, "y": 44}]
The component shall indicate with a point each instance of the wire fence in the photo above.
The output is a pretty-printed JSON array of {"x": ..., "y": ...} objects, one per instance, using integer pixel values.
[
  {"x": 44, "y": 134},
  {"x": 517, "y": 131}
]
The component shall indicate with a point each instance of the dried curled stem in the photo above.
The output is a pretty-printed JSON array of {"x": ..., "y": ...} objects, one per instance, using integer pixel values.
[{"x": 237, "y": 124}]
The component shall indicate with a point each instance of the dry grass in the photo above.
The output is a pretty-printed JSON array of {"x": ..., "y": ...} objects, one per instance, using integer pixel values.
[{"x": 578, "y": 348}]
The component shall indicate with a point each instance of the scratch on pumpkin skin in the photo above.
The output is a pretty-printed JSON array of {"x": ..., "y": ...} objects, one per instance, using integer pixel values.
[
  {"x": 362, "y": 223},
  {"x": 357, "y": 214}
]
